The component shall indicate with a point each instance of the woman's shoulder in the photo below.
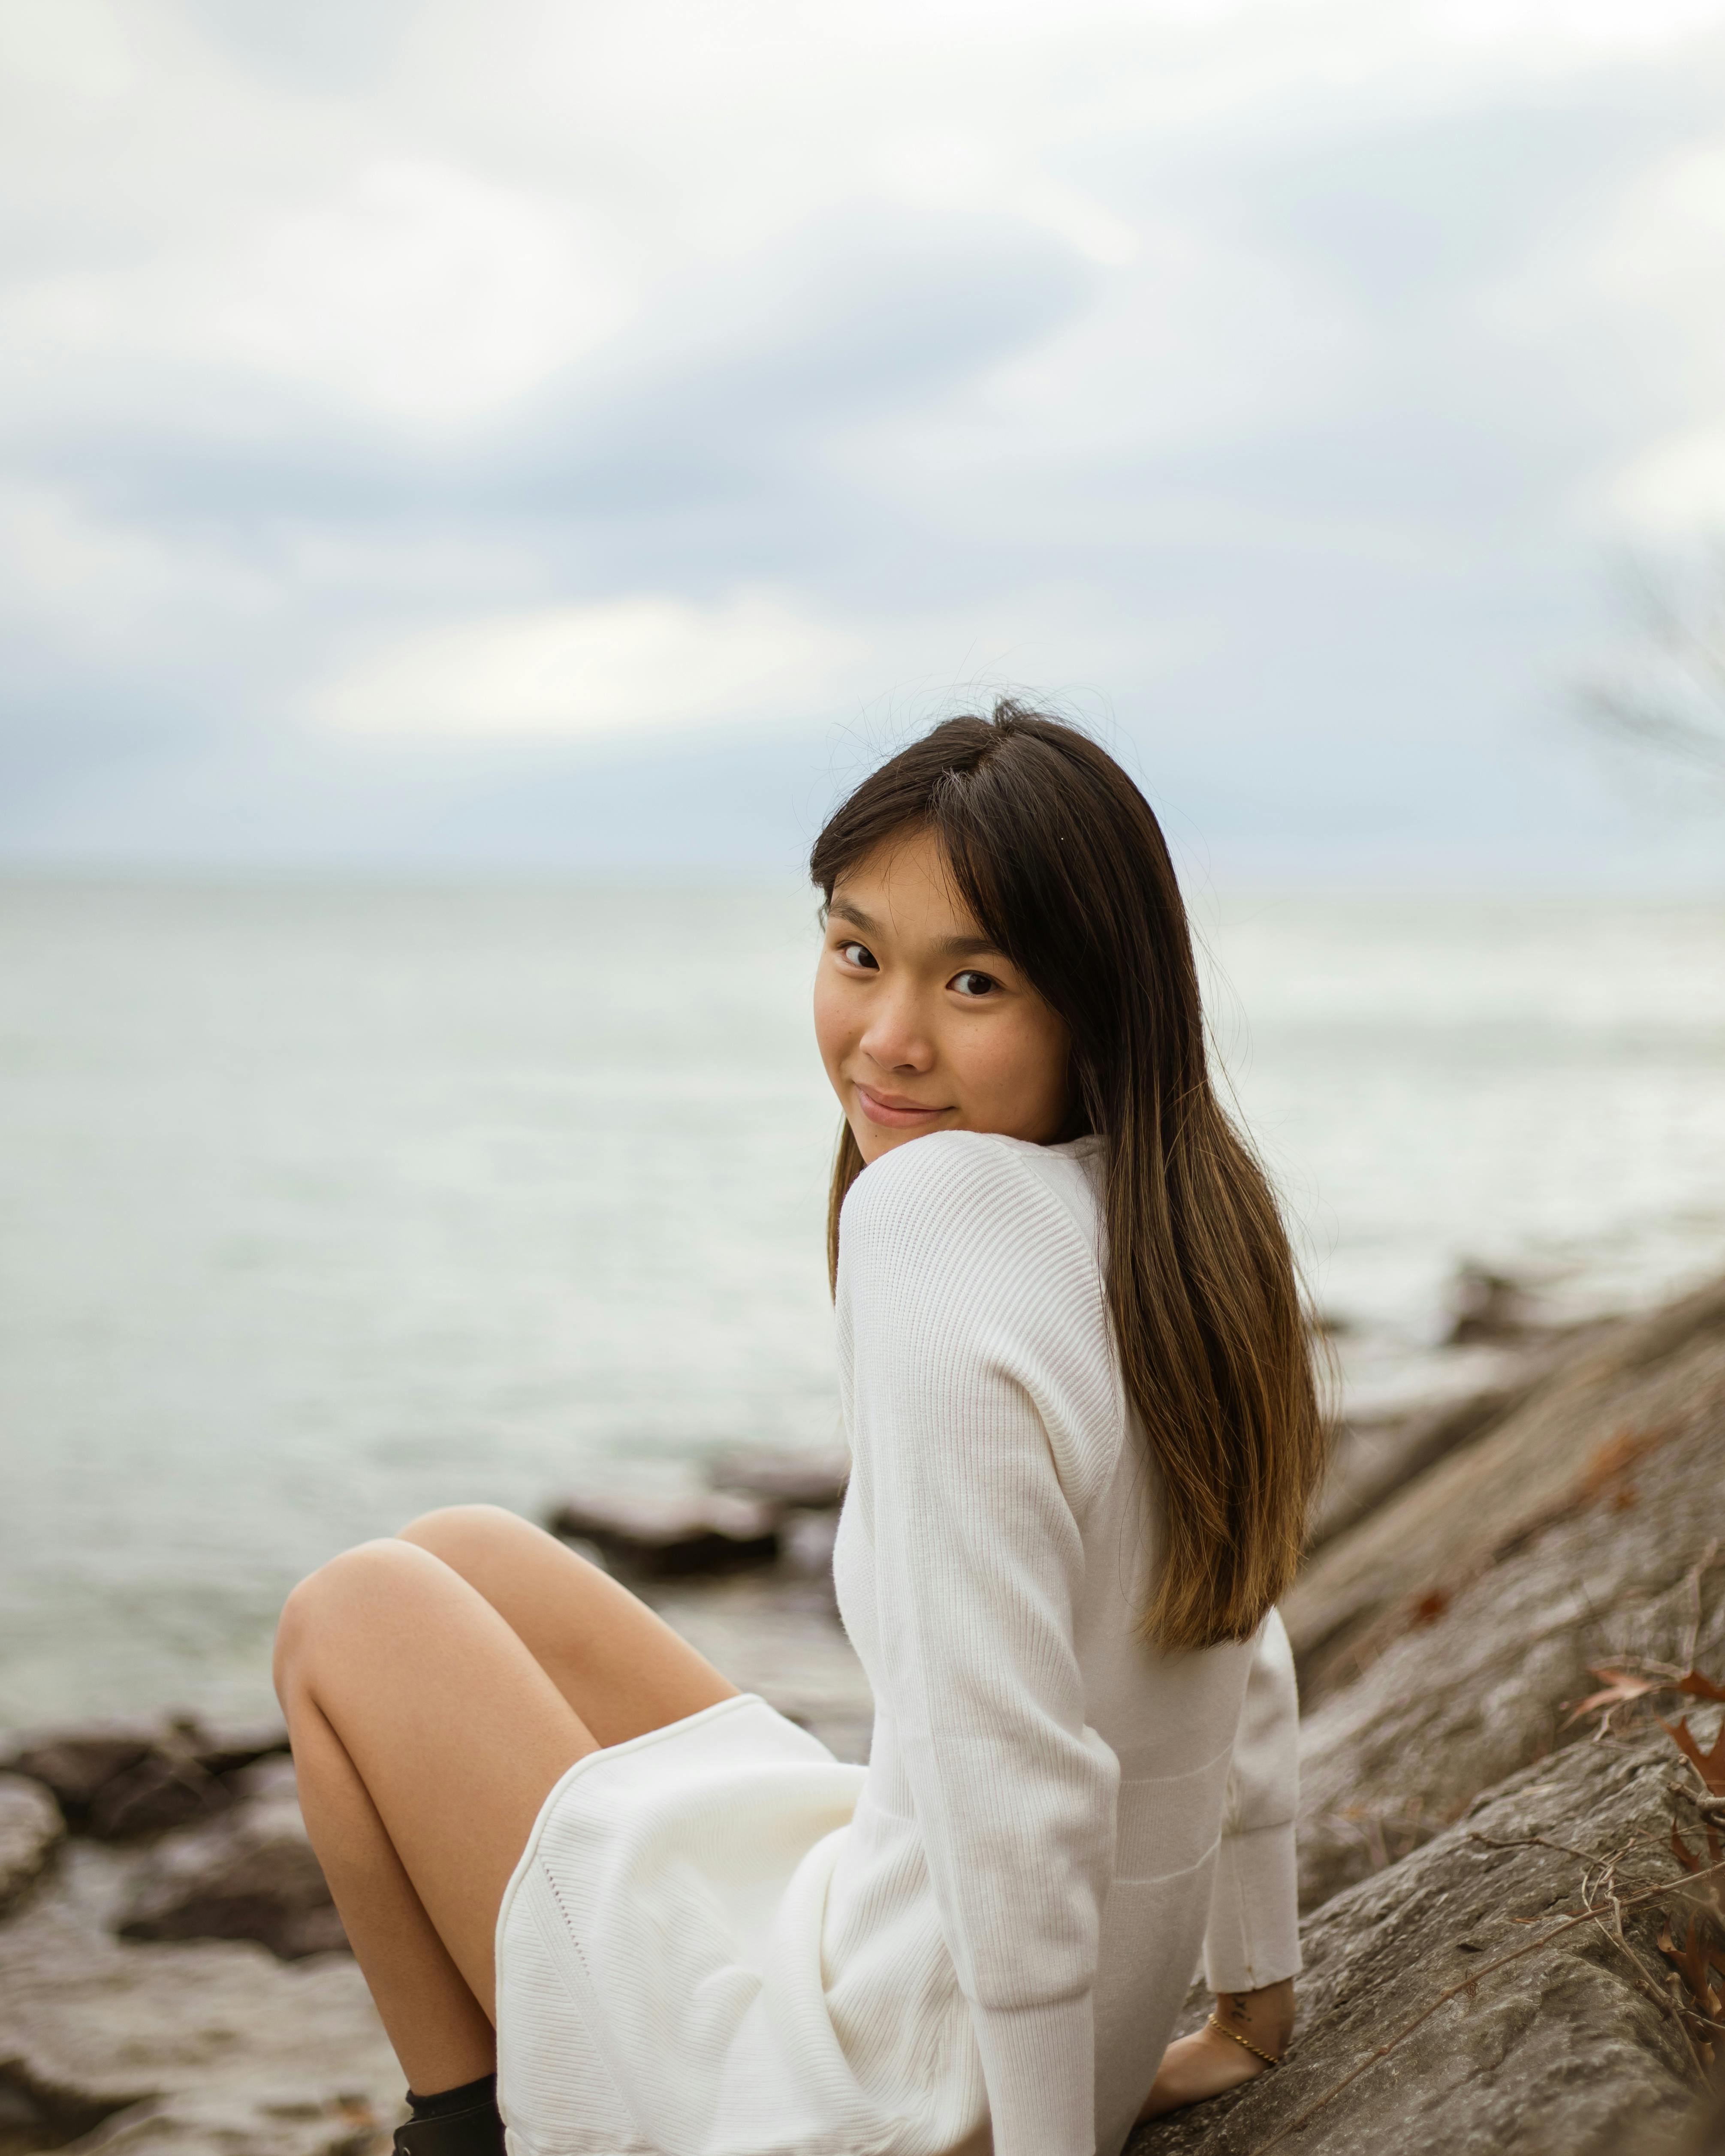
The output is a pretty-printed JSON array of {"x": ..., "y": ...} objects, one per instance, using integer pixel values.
[{"x": 973, "y": 1184}]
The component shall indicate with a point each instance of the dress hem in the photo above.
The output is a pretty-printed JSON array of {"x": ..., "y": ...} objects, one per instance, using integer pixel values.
[{"x": 588, "y": 1759}]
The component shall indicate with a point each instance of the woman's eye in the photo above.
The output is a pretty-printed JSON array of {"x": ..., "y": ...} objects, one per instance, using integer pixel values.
[
  {"x": 857, "y": 954},
  {"x": 972, "y": 984}
]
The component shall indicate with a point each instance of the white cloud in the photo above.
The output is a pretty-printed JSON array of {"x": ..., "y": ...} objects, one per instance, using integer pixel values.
[
  {"x": 567, "y": 671},
  {"x": 1675, "y": 490},
  {"x": 425, "y": 291},
  {"x": 419, "y": 291},
  {"x": 111, "y": 589}
]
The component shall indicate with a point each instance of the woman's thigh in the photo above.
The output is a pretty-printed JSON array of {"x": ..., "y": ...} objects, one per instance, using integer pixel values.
[
  {"x": 456, "y": 1732},
  {"x": 617, "y": 1664}
]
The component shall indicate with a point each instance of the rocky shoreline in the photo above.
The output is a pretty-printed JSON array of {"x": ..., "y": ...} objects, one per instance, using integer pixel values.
[{"x": 1514, "y": 1933}]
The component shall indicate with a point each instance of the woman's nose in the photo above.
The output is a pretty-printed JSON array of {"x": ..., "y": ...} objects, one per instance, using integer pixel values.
[{"x": 896, "y": 1038}]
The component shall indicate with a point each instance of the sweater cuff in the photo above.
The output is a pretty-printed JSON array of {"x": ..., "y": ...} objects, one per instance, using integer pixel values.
[
  {"x": 1039, "y": 2066},
  {"x": 1253, "y": 1937}
]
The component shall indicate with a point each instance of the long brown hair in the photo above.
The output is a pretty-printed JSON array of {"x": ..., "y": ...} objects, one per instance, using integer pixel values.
[{"x": 1057, "y": 855}]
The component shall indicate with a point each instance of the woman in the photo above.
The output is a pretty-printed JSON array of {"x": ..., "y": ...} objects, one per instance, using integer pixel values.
[{"x": 1084, "y": 1439}]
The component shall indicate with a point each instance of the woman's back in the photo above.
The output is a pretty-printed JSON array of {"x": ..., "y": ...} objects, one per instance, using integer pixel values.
[{"x": 1046, "y": 1792}]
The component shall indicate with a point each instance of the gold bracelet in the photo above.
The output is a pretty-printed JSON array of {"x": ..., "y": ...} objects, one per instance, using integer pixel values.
[{"x": 1239, "y": 2038}]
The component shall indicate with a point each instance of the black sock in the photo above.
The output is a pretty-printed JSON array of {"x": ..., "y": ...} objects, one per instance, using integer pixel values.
[{"x": 471, "y": 2095}]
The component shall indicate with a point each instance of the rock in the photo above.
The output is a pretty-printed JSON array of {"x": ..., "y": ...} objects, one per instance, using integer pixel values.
[
  {"x": 1703, "y": 2133},
  {"x": 1488, "y": 1306},
  {"x": 1569, "y": 2049},
  {"x": 232, "y": 2122},
  {"x": 164, "y": 1789},
  {"x": 271, "y": 1779},
  {"x": 807, "y": 1541},
  {"x": 1607, "y": 1403},
  {"x": 251, "y": 1874},
  {"x": 226, "y": 1749},
  {"x": 31, "y": 1829},
  {"x": 206, "y": 2050},
  {"x": 813, "y": 1482},
  {"x": 1370, "y": 1461},
  {"x": 780, "y": 1638},
  {"x": 120, "y": 1782},
  {"x": 661, "y": 1536},
  {"x": 1589, "y": 1527},
  {"x": 78, "y": 1764}
]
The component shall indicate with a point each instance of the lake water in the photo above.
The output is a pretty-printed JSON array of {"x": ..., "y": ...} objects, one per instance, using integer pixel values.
[{"x": 320, "y": 1206}]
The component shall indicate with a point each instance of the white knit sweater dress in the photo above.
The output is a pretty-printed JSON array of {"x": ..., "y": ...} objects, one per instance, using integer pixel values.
[{"x": 720, "y": 1941}]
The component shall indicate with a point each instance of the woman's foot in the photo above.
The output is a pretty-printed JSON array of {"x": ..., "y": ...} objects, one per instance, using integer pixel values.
[{"x": 1251, "y": 2031}]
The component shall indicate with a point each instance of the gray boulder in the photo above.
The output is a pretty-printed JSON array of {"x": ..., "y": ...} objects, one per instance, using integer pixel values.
[
  {"x": 251, "y": 1874},
  {"x": 122, "y": 1782},
  {"x": 31, "y": 1829},
  {"x": 78, "y": 1764},
  {"x": 717, "y": 1531},
  {"x": 806, "y": 1481},
  {"x": 1449, "y": 2005}
]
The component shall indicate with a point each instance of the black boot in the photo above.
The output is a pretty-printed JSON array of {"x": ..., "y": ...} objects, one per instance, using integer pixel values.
[{"x": 460, "y": 2122}]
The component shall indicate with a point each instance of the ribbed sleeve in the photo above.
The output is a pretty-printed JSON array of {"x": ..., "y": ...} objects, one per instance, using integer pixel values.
[
  {"x": 982, "y": 1405},
  {"x": 1253, "y": 1937}
]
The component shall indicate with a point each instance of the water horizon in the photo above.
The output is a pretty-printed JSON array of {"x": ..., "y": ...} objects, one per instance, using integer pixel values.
[{"x": 325, "y": 1201}]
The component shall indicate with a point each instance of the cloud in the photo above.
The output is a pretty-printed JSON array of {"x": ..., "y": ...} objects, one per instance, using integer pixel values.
[
  {"x": 650, "y": 661},
  {"x": 419, "y": 292},
  {"x": 394, "y": 384},
  {"x": 1673, "y": 492}
]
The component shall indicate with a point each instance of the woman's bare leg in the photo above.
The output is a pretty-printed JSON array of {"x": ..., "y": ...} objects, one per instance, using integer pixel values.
[
  {"x": 617, "y": 1663},
  {"x": 426, "y": 1738},
  {"x": 448, "y": 1708}
]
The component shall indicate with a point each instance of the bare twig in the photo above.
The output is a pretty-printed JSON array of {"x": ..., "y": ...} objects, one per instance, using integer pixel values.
[
  {"x": 1587, "y": 1856},
  {"x": 1660, "y": 1994}
]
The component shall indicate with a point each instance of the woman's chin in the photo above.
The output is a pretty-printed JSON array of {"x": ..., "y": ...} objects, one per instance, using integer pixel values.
[{"x": 873, "y": 1139}]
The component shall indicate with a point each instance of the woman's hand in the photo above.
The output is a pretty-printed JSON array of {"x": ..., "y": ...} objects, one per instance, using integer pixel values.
[{"x": 1206, "y": 2064}]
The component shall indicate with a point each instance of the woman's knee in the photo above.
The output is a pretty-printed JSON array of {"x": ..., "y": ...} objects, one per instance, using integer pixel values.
[
  {"x": 463, "y": 1535},
  {"x": 331, "y": 1605}
]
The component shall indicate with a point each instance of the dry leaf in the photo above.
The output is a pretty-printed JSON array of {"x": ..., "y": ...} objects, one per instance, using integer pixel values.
[
  {"x": 1690, "y": 1961},
  {"x": 1697, "y": 1687},
  {"x": 1620, "y": 1688},
  {"x": 1709, "y": 1765}
]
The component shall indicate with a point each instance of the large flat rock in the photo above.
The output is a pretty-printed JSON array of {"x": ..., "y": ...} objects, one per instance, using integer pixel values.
[
  {"x": 1618, "y": 1395},
  {"x": 1517, "y": 1570},
  {"x": 1565, "y": 2050}
]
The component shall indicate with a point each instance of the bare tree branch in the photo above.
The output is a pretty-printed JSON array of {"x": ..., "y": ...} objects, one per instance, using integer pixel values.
[{"x": 1669, "y": 698}]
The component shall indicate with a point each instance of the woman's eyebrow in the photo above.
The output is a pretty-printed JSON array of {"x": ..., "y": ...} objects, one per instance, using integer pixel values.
[{"x": 947, "y": 947}]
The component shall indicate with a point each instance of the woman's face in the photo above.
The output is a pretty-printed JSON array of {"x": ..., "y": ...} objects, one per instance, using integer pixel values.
[{"x": 923, "y": 1025}]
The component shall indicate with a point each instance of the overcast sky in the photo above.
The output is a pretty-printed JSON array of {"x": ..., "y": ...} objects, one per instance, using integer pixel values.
[{"x": 436, "y": 433}]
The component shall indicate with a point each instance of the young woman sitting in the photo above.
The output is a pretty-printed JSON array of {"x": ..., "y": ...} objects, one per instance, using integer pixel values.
[{"x": 1084, "y": 1436}]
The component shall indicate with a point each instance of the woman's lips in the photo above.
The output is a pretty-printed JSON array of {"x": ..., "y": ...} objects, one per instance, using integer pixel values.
[{"x": 894, "y": 1112}]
